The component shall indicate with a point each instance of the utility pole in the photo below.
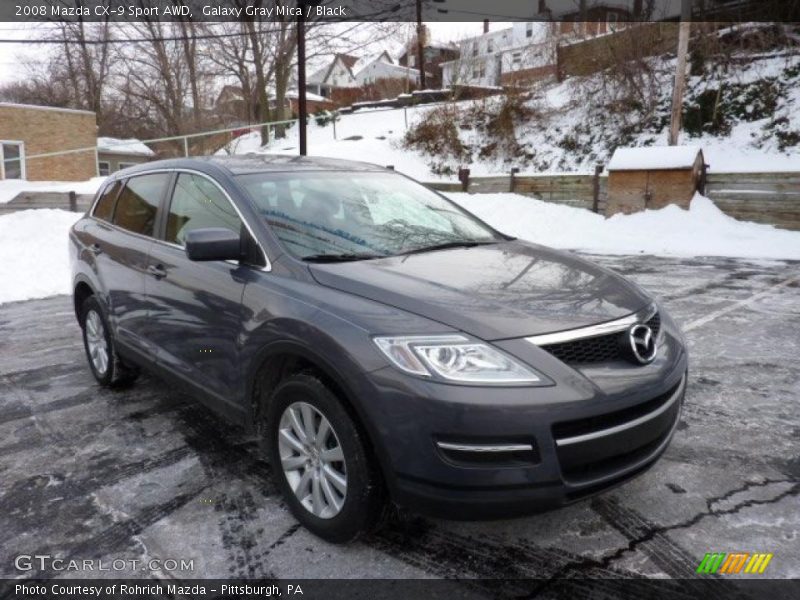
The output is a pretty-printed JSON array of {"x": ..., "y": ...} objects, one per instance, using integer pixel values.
[
  {"x": 680, "y": 72},
  {"x": 301, "y": 77},
  {"x": 421, "y": 46}
]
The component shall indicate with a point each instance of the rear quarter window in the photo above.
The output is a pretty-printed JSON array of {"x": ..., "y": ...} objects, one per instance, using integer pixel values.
[
  {"x": 105, "y": 204},
  {"x": 138, "y": 203}
]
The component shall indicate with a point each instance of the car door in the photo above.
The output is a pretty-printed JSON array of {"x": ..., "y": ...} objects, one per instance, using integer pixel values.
[
  {"x": 122, "y": 236},
  {"x": 195, "y": 313}
]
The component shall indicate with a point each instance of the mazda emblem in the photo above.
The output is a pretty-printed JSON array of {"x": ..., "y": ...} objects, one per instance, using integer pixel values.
[{"x": 642, "y": 344}]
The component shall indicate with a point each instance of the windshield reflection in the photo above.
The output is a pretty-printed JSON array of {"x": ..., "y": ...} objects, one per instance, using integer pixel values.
[{"x": 358, "y": 215}]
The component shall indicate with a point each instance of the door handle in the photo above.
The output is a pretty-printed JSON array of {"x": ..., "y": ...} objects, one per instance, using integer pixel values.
[
  {"x": 157, "y": 271},
  {"x": 96, "y": 249}
]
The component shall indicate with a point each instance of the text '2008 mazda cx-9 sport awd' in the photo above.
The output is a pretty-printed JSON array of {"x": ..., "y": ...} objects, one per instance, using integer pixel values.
[{"x": 381, "y": 343}]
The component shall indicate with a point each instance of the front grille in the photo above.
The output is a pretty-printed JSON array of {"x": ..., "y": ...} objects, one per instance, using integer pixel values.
[{"x": 603, "y": 348}]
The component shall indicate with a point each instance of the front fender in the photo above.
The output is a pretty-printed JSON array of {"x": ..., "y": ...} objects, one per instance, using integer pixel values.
[{"x": 332, "y": 359}]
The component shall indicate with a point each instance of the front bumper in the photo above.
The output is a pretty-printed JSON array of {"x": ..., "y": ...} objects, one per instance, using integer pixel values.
[{"x": 596, "y": 428}]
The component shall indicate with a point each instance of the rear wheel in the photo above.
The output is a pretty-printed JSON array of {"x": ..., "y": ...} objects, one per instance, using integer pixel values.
[
  {"x": 106, "y": 365},
  {"x": 321, "y": 462}
]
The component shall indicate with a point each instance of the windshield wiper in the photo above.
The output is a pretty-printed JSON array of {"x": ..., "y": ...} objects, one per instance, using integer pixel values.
[
  {"x": 323, "y": 258},
  {"x": 454, "y": 244}
]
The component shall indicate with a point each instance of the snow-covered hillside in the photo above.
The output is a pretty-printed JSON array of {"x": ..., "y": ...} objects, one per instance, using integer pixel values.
[
  {"x": 370, "y": 135},
  {"x": 754, "y": 125}
]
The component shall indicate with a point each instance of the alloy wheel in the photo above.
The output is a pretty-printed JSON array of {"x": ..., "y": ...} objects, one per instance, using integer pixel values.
[
  {"x": 96, "y": 342},
  {"x": 312, "y": 459}
]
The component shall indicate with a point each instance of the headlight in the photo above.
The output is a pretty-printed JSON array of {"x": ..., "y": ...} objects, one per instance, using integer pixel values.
[{"x": 456, "y": 358}]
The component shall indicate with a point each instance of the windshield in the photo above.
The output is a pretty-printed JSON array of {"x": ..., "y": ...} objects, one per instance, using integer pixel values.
[{"x": 358, "y": 215}]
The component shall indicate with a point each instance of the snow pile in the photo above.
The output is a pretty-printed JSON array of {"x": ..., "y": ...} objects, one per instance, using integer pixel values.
[
  {"x": 33, "y": 244},
  {"x": 110, "y": 145},
  {"x": 703, "y": 230},
  {"x": 10, "y": 188}
]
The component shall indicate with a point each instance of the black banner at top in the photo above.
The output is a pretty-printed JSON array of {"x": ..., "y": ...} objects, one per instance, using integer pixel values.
[{"x": 401, "y": 10}]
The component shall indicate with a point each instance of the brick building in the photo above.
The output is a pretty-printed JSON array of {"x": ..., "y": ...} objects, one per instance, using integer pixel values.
[{"x": 27, "y": 130}]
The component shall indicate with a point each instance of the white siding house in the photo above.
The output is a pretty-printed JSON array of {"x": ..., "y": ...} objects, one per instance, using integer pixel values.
[
  {"x": 373, "y": 68},
  {"x": 487, "y": 59},
  {"x": 336, "y": 74}
]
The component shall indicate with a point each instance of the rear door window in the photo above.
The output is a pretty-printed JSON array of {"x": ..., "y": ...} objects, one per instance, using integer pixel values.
[
  {"x": 138, "y": 202},
  {"x": 105, "y": 204}
]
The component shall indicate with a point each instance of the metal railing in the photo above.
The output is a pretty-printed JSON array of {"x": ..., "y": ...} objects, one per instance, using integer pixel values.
[{"x": 185, "y": 137}]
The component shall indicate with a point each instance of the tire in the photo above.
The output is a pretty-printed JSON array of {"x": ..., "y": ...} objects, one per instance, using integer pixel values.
[
  {"x": 107, "y": 367},
  {"x": 320, "y": 505}
]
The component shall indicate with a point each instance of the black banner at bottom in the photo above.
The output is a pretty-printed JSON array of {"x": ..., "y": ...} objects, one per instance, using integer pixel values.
[{"x": 406, "y": 589}]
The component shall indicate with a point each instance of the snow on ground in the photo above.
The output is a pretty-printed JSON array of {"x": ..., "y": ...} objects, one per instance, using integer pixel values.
[
  {"x": 10, "y": 188},
  {"x": 35, "y": 260},
  {"x": 33, "y": 243},
  {"x": 703, "y": 230}
]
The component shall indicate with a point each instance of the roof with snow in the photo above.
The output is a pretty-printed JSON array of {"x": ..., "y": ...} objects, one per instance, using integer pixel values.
[
  {"x": 654, "y": 158},
  {"x": 309, "y": 96},
  {"x": 108, "y": 145},
  {"x": 367, "y": 60}
]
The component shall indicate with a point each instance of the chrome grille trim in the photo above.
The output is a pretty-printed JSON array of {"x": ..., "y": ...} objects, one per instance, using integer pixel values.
[
  {"x": 624, "y": 426},
  {"x": 591, "y": 331}
]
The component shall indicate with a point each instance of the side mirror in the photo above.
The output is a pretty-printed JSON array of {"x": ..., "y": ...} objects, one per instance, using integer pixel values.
[{"x": 213, "y": 243}]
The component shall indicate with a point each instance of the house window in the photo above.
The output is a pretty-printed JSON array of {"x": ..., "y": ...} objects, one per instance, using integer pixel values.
[
  {"x": 12, "y": 160},
  {"x": 475, "y": 49},
  {"x": 528, "y": 30},
  {"x": 489, "y": 46},
  {"x": 516, "y": 58},
  {"x": 103, "y": 168},
  {"x": 482, "y": 72},
  {"x": 125, "y": 165}
]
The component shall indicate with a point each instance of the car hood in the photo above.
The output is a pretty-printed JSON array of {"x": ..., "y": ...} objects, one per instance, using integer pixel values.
[{"x": 499, "y": 291}]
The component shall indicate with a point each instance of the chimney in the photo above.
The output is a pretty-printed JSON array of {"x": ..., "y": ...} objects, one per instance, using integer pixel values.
[{"x": 486, "y": 26}]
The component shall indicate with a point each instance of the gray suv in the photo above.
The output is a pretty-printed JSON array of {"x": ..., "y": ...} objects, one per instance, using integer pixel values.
[{"x": 380, "y": 342}]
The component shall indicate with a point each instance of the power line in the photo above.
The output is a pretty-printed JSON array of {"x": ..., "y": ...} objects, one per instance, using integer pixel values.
[{"x": 176, "y": 38}]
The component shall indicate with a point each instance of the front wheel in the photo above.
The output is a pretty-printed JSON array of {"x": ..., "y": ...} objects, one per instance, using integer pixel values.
[
  {"x": 321, "y": 462},
  {"x": 106, "y": 365}
]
